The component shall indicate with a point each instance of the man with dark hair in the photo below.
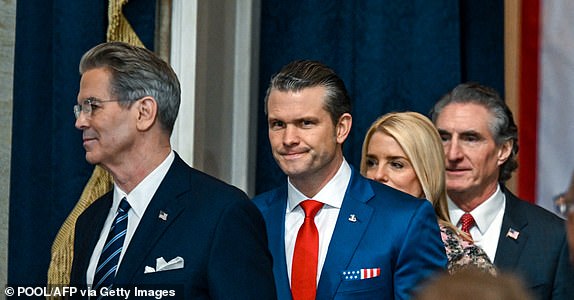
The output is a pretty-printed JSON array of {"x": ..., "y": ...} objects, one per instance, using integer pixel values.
[
  {"x": 164, "y": 226},
  {"x": 480, "y": 142},
  {"x": 333, "y": 233}
]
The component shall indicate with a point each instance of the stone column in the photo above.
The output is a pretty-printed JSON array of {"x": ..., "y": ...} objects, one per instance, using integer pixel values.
[{"x": 7, "y": 36}]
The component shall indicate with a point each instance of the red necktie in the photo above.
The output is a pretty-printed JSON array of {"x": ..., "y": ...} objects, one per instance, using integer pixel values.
[
  {"x": 467, "y": 222},
  {"x": 305, "y": 256}
]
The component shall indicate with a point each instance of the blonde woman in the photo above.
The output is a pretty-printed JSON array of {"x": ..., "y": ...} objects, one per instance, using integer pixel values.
[{"x": 404, "y": 151}]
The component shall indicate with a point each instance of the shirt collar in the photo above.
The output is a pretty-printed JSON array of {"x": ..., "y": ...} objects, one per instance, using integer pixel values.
[
  {"x": 331, "y": 194},
  {"x": 483, "y": 214},
  {"x": 141, "y": 195}
]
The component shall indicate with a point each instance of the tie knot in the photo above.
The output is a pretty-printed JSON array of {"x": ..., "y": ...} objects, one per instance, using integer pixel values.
[
  {"x": 311, "y": 207},
  {"x": 124, "y": 206},
  {"x": 467, "y": 221}
]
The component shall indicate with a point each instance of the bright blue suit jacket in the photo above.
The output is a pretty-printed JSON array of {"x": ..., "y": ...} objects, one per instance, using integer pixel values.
[
  {"x": 213, "y": 226},
  {"x": 393, "y": 231}
]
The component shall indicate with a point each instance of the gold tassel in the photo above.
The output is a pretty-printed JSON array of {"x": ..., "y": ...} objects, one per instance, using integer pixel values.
[
  {"x": 119, "y": 29},
  {"x": 100, "y": 182},
  {"x": 62, "y": 249}
]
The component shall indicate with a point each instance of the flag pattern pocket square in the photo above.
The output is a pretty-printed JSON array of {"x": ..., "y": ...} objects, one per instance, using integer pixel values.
[{"x": 361, "y": 274}]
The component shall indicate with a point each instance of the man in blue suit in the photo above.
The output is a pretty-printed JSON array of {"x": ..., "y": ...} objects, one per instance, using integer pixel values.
[
  {"x": 480, "y": 141},
  {"x": 165, "y": 227},
  {"x": 332, "y": 233}
]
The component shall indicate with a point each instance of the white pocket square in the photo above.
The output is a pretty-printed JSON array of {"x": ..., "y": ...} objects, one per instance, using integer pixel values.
[{"x": 162, "y": 265}]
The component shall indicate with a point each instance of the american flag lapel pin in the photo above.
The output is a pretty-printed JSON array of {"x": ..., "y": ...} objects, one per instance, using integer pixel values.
[
  {"x": 513, "y": 234},
  {"x": 162, "y": 215}
]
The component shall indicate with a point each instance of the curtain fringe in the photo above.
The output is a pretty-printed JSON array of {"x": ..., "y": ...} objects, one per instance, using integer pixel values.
[{"x": 101, "y": 182}]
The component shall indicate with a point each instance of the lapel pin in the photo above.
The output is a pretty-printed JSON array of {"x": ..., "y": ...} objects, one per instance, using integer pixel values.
[
  {"x": 353, "y": 218},
  {"x": 513, "y": 234},
  {"x": 162, "y": 215}
]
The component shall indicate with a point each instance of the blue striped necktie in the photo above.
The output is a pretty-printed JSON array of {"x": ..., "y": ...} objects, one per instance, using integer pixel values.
[{"x": 108, "y": 263}]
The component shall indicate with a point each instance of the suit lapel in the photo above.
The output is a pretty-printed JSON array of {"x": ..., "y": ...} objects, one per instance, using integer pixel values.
[
  {"x": 152, "y": 226},
  {"x": 347, "y": 235},
  {"x": 510, "y": 246},
  {"x": 275, "y": 218}
]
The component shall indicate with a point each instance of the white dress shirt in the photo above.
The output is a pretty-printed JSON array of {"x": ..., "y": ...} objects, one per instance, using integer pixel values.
[
  {"x": 488, "y": 217},
  {"x": 138, "y": 198},
  {"x": 332, "y": 196}
]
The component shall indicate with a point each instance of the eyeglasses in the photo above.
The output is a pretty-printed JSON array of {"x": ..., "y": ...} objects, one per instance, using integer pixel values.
[
  {"x": 563, "y": 206},
  {"x": 90, "y": 104}
]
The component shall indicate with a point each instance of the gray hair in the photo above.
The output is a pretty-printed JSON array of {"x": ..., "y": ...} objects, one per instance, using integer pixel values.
[
  {"x": 501, "y": 125},
  {"x": 135, "y": 73}
]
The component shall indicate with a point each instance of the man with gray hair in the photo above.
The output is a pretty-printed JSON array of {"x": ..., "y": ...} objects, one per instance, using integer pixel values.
[
  {"x": 165, "y": 227},
  {"x": 480, "y": 142}
]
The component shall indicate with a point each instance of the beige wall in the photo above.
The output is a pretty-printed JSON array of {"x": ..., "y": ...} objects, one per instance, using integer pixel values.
[
  {"x": 7, "y": 28},
  {"x": 214, "y": 51}
]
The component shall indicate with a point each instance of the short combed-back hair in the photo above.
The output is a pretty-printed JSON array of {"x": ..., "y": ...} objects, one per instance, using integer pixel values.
[
  {"x": 502, "y": 126},
  {"x": 420, "y": 141},
  {"x": 135, "y": 73},
  {"x": 302, "y": 74}
]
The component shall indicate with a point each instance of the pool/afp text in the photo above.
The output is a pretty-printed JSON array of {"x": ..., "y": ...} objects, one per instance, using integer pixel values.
[{"x": 72, "y": 291}]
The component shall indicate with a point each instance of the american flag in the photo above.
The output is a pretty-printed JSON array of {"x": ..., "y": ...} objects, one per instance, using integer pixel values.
[
  {"x": 513, "y": 234},
  {"x": 361, "y": 274}
]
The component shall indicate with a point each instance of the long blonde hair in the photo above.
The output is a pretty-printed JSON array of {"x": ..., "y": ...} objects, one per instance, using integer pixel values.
[{"x": 421, "y": 142}]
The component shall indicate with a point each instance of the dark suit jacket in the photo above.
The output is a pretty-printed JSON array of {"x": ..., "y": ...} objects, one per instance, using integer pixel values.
[
  {"x": 540, "y": 253},
  {"x": 393, "y": 231},
  {"x": 213, "y": 226}
]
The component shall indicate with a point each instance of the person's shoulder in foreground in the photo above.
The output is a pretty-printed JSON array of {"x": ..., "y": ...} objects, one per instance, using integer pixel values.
[
  {"x": 472, "y": 283},
  {"x": 226, "y": 238}
]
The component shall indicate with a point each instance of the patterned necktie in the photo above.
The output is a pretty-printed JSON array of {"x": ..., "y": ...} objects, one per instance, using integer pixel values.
[
  {"x": 108, "y": 262},
  {"x": 306, "y": 254},
  {"x": 467, "y": 222}
]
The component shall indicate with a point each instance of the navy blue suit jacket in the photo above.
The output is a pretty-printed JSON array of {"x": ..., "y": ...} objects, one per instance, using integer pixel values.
[
  {"x": 213, "y": 226},
  {"x": 540, "y": 252},
  {"x": 393, "y": 231}
]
